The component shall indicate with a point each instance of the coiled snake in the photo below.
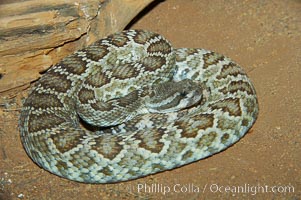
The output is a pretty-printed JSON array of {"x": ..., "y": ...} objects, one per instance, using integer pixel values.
[{"x": 131, "y": 105}]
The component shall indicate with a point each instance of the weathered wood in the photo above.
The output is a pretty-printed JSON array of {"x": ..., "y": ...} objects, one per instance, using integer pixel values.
[{"x": 36, "y": 34}]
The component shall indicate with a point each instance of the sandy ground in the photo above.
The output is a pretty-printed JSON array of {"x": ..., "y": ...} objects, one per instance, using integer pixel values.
[{"x": 264, "y": 37}]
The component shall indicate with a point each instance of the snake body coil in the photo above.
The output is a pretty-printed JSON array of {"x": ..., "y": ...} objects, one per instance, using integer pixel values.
[{"x": 103, "y": 84}]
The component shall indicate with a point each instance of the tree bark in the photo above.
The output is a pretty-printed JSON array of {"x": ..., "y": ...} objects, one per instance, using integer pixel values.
[{"x": 36, "y": 34}]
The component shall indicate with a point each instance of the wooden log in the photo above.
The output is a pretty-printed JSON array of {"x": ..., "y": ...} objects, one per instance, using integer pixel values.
[{"x": 36, "y": 34}]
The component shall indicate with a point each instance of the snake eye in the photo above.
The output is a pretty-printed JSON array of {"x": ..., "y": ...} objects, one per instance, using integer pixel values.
[{"x": 183, "y": 94}]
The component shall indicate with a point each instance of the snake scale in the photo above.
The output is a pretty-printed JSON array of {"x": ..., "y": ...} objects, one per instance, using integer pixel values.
[{"x": 84, "y": 119}]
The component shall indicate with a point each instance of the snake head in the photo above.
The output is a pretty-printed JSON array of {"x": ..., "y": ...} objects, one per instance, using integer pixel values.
[{"x": 174, "y": 96}]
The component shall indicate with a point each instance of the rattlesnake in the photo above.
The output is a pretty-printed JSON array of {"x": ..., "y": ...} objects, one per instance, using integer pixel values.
[{"x": 77, "y": 121}]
